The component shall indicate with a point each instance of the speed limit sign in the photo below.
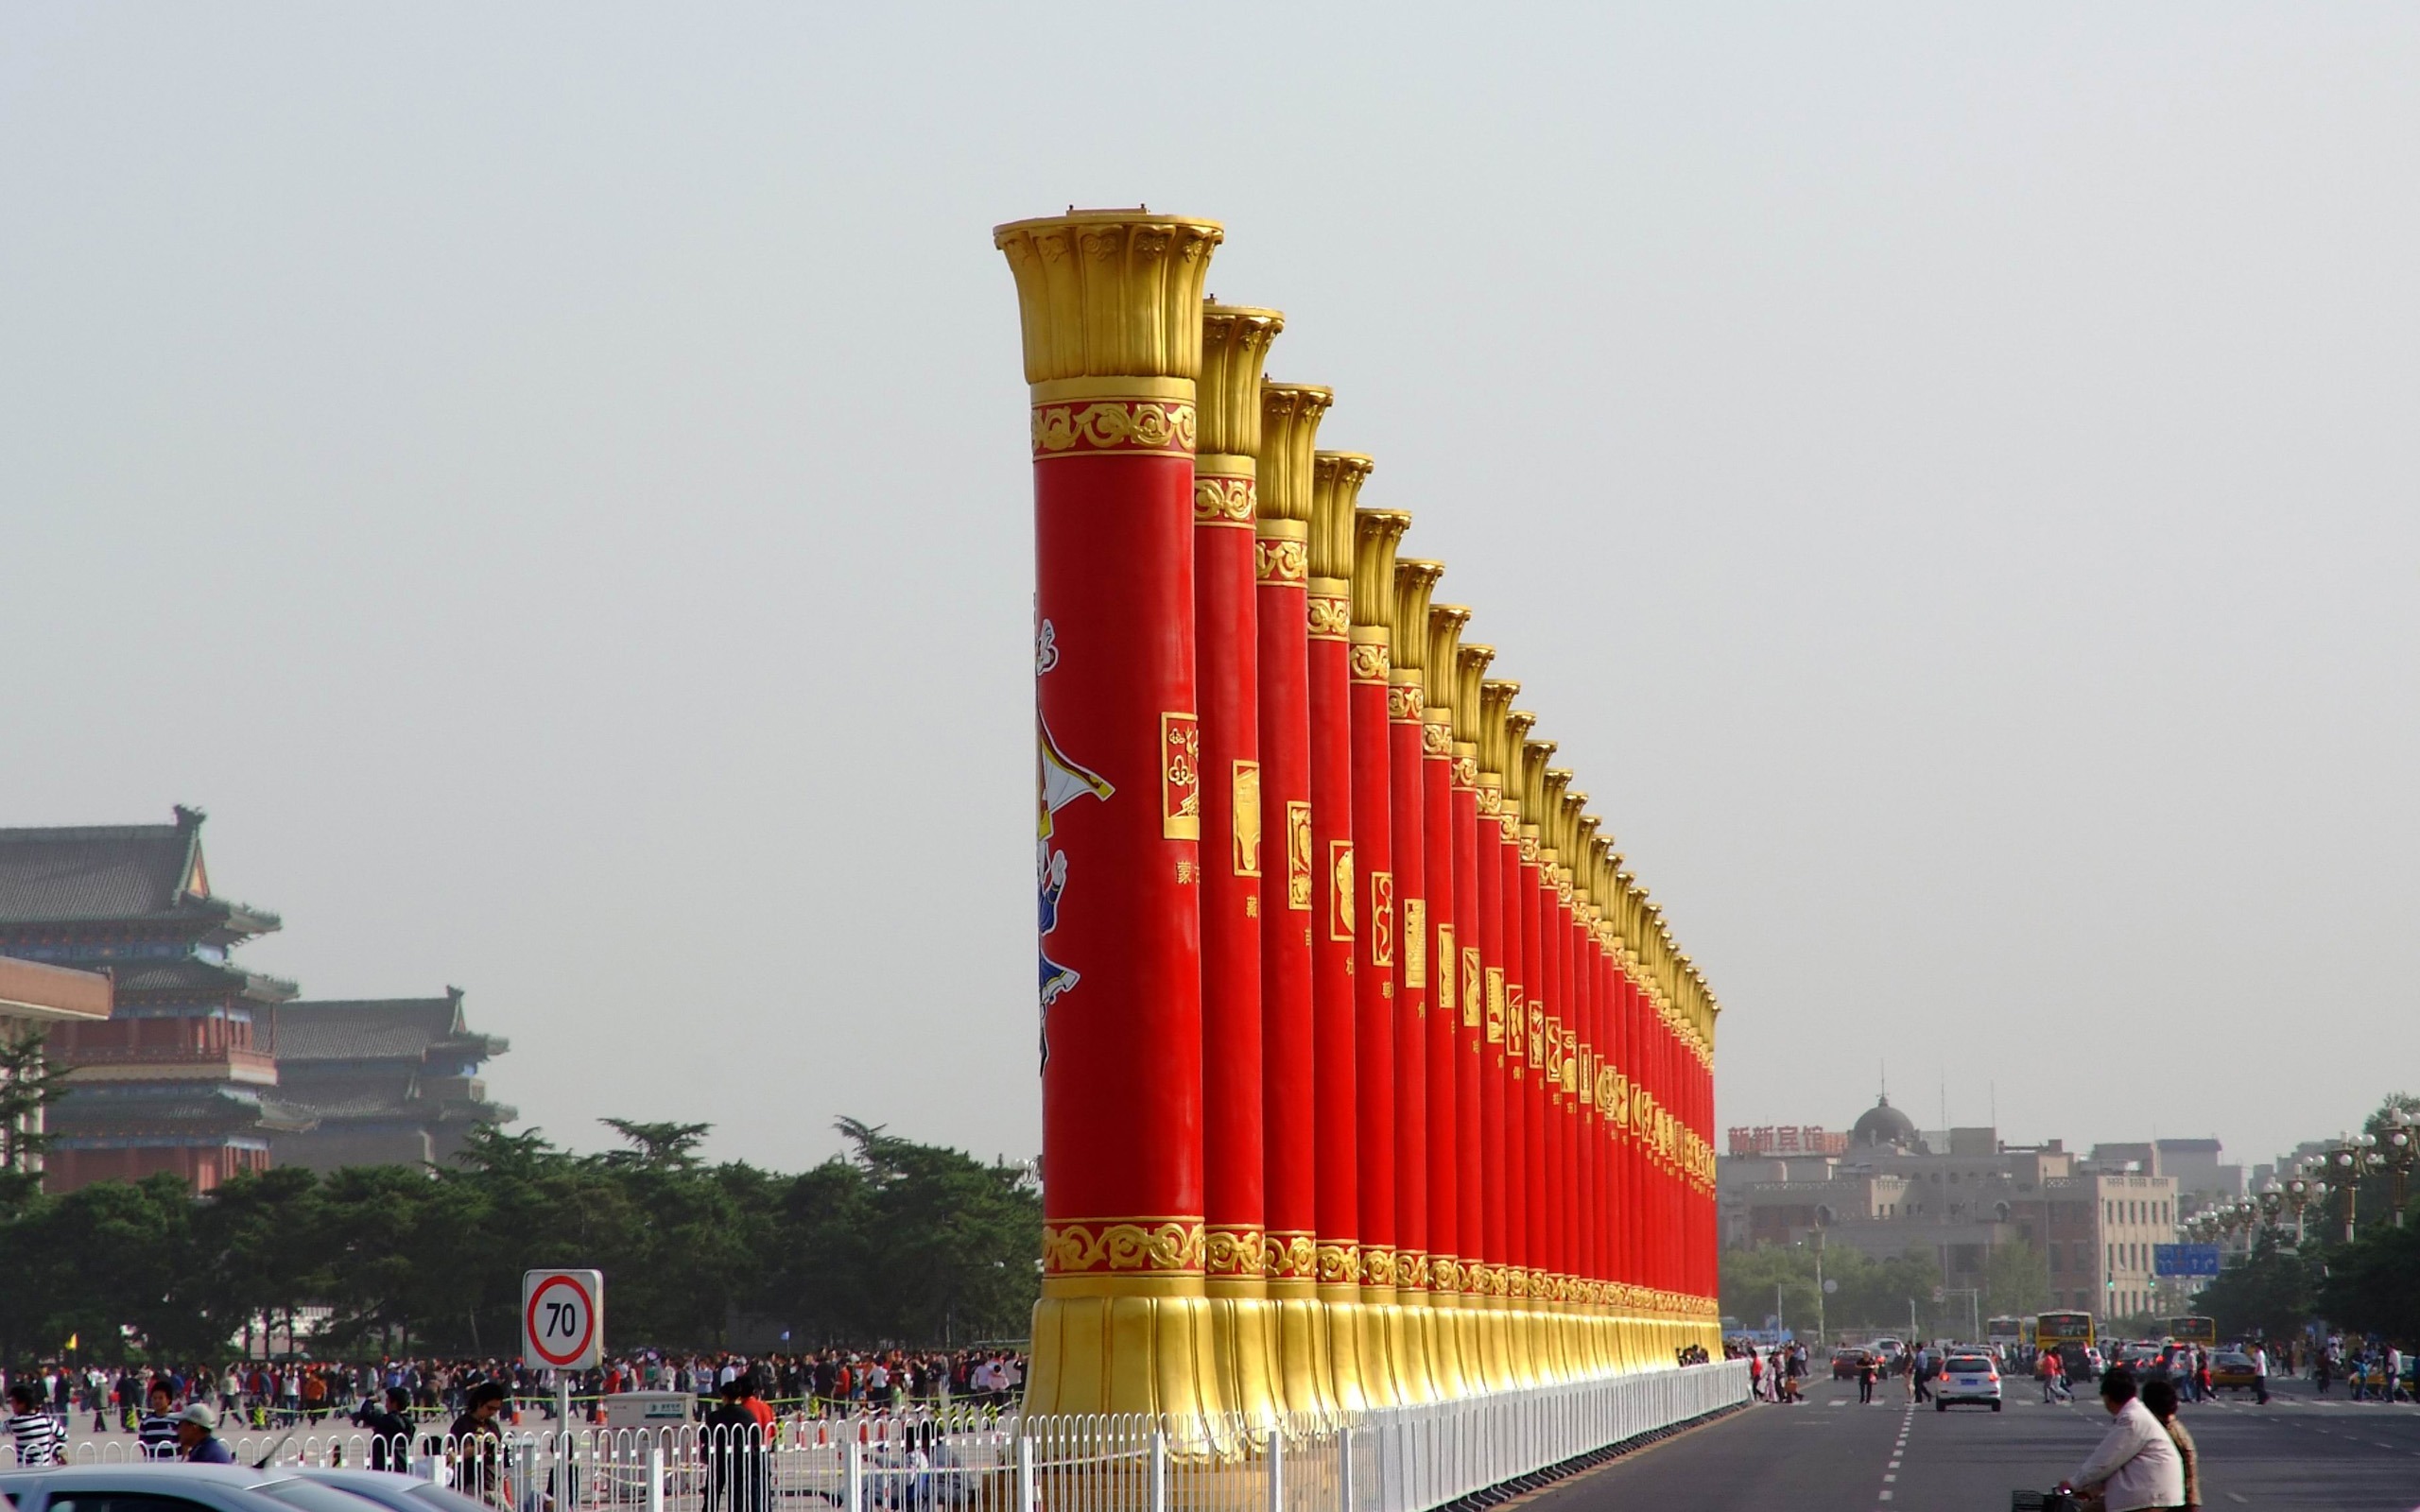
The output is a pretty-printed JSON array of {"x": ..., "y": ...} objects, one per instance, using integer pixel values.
[{"x": 562, "y": 1319}]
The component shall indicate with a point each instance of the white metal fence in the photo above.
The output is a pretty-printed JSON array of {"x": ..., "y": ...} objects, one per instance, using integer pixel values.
[{"x": 1405, "y": 1459}]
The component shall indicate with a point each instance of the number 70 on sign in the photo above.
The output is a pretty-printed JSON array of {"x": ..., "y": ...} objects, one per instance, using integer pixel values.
[{"x": 562, "y": 1319}]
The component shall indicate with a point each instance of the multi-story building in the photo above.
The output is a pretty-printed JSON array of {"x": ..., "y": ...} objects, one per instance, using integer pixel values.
[
  {"x": 37, "y": 1000},
  {"x": 175, "y": 1079},
  {"x": 1958, "y": 1195},
  {"x": 391, "y": 1081},
  {"x": 185, "y": 1074}
]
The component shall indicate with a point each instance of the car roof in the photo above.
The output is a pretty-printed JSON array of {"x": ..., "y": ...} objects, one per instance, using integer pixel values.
[{"x": 239, "y": 1476}]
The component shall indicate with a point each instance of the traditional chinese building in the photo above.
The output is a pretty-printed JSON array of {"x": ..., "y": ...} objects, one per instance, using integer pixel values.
[
  {"x": 178, "y": 1078},
  {"x": 390, "y": 1081}
]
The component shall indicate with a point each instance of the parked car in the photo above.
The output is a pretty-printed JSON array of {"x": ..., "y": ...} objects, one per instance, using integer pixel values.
[
  {"x": 1967, "y": 1376},
  {"x": 168, "y": 1486},
  {"x": 1846, "y": 1360}
]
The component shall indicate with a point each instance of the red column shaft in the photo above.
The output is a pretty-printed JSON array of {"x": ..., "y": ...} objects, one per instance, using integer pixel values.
[
  {"x": 1374, "y": 965},
  {"x": 1489, "y": 1179},
  {"x": 1470, "y": 1035},
  {"x": 1119, "y": 856},
  {"x": 1290, "y": 1142},
  {"x": 1227, "y": 659},
  {"x": 1335, "y": 1073},
  {"x": 1516, "y": 1056},
  {"x": 1555, "y": 1165},
  {"x": 1442, "y": 1064},
  {"x": 1534, "y": 1101},
  {"x": 1407, "y": 798},
  {"x": 1583, "y": 998}
]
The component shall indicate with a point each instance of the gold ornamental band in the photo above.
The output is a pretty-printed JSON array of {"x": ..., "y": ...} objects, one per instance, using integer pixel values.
[
  {"x": 1122, "y": 416},
  {"x": 1411, "y": 1270},
  {"x": 1337, "y": 1264},
  {"x": 1377, "y": 1265},
  {"x": 1368, "y": 662},
  {"x": 1405, "y": 698},
  {"x": 1276, "y": 559},
  {"x": 1290, "y": 1256},
  {"x": 1223, "y": 497},
  {"x": 1331, "y": 611},
  {"x": 1094, "y": 1245},
  {"x": 1235, "y": 1249}
]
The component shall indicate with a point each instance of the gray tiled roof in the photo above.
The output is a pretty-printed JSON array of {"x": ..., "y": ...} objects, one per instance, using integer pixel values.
[
  {"x": 375, "y": 1029},
  {"x": 63, "y": 873}
]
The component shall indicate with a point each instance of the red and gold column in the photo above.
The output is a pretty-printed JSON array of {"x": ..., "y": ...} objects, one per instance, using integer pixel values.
[
  {"x": 1377, "y": 531},
  {"x": 1531, "y": 759},
  {"x": 1290, "y": 423},
  {"x": 1478, "y": 1084},
  {"x": 1235, "y": 344},
  {"x": 1531, "y": 1367},
  {"x": 1408, "y": 793},
  {"x": 1110, "y": 308},
  {"x": 1335, "y": 483},
  {"x": 1453, "y": 1360}
]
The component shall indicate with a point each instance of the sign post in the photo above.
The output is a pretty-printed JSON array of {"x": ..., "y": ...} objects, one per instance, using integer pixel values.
[{"x": 563, "y": 1327}]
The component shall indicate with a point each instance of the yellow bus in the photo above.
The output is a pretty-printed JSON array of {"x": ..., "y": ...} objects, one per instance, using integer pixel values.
[
  {"x": 2201, "y": 1331},
  {"x": 2050, "y": 1330}
]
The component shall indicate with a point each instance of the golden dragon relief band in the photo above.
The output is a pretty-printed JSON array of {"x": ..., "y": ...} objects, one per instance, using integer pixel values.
[
  {"x": 1150, "y": 426},
  {"x": 1173, "y": 1246}
]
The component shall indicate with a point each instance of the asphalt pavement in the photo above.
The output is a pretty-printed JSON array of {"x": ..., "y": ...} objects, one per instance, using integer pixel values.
[{"x": 1830, "y": 1454}]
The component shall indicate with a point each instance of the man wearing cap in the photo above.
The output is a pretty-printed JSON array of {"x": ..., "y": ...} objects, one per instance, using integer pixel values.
[{"x": 197, "y": 1437}]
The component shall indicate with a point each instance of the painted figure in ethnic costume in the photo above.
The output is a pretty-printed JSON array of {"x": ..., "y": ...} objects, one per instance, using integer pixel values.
[{"x": 1058, "y": 782}]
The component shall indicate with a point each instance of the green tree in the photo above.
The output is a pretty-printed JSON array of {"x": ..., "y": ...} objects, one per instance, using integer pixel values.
[
  {"x": 2272, "y": 1292},
  {"x": 30, "y": 1082},
  {"x": 2015, "y": 1281},
  {"x": 2373, "y": 1284}
]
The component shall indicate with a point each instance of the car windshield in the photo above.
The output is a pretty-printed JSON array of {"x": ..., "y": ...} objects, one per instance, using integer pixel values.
[
  {"x": 311, "y": 1496},
  {"x": 1974, "y": 1362}
]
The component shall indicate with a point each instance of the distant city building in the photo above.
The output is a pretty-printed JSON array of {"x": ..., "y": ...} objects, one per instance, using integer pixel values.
[
  {"x": 2202, "y": 1177},
  {"x": 181, "y": 1071},
  {"x": 1957, "y": 1196},
  {"x": 391, "y": 1081}
]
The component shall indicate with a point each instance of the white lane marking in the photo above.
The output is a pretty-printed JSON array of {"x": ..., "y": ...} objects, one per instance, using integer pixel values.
[
  {"x": 1887, "y": 1478},
  {"x": 1886, "y": 1496},
  {"x": 2238, "y": 1499}
]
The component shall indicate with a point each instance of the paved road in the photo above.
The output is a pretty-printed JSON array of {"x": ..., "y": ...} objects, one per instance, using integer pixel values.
[{"x": 1832, "y": 1455}]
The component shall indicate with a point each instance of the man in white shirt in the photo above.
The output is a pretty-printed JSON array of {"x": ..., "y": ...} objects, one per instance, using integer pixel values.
[
  {"x": 2136, "y": 1466},
  {"x": 2260, "y": 1374}
]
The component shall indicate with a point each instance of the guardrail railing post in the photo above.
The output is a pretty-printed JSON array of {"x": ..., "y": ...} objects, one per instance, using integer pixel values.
[
  {"x": 1029, "y": 1492},
  {"x": 1345, "y": 1499},
  {"x": 655, "y": 1472},
  {"x": 856, "y": 1492},
  {"x": 1277, "y": 1470},
  {"x": 1159, "y": 1470}
]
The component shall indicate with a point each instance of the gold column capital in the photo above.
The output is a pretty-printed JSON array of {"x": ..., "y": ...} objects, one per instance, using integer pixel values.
[
  {"x": 1110, "y": 293},
  {"x": 1442, "y": 663},
  {"x": 1336, "y": 491},
  {"x": 1290, "y": 432},
  {"x": 1375, "y": 534},
  {"x": 1532, "y": 755},
  {"x": 1471, "y": 662},
  {"x": 1235, "y": 345},
  {"x": 1415, "y": 580}
]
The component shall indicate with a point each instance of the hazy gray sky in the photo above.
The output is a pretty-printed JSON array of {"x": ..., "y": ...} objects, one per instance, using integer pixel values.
[{"x": 551, "y": 481}]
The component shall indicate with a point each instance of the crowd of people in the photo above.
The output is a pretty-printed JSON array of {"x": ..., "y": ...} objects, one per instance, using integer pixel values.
[{"x": 171, "y": 1411}]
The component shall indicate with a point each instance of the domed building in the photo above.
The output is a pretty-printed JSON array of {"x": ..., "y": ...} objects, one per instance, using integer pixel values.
[{"x": 1884, "y": 1127}]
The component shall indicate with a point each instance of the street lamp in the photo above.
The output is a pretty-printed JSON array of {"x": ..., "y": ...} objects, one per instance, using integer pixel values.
[
  {"x": 2349, "y": 1160},
  {"x": 2398, "y": 1149}
]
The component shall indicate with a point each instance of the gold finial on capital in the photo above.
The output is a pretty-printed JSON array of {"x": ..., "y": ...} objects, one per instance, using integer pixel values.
[
  {"x": 1376, "y": 533},
  {"x": 1443, "y": 663},
  {"x": 1335, "y": 489},
  {"x": 1110, "y": 293},
  {"x": 1290, "y": 432},
  {"x": 1235, "y": 344},
  {"x": 1415, "y": 580}
]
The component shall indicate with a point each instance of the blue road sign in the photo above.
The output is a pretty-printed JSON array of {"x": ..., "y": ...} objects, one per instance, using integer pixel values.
[{"x": 2185, "y": 1260}]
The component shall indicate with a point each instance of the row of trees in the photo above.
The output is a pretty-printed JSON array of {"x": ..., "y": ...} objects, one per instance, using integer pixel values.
[
  {"x": 893, "y": 1242},
  {"x": 1864, "y": 1293}
]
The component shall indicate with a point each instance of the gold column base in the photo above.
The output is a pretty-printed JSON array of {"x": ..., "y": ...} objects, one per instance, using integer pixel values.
[
  {"x": 1305, "y": 1379},
  {"x": 1496, "y": 1343},
  {"x": 1408, "y": 1330},
  {"x": 1381, "y": 1323},
  {"x": 1339, "y": 1323},
  {"x": 1126, "y": 1345},
  {"x": 1243, "y": 1348},
  {"x": 1443, "y": 1317}
]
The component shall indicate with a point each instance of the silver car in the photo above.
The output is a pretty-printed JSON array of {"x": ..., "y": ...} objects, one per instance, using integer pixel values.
[
  {"x": 1967, "y": 1376},
  {"x": 170, "y": 1485}
]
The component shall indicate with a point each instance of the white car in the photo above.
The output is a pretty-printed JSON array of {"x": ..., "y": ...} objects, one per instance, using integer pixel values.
[{"x": 1967, "y": 1376}]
